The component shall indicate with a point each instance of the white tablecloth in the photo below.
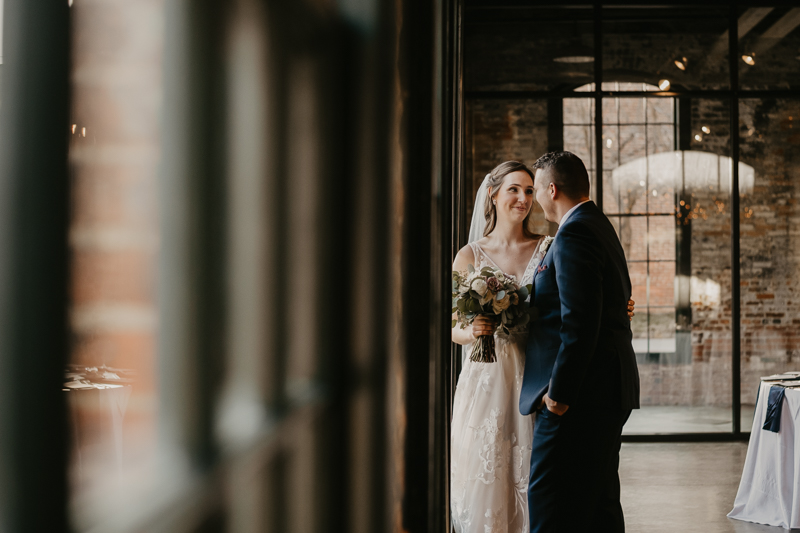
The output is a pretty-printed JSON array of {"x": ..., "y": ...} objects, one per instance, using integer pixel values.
[{"x": 769, "y": 492}]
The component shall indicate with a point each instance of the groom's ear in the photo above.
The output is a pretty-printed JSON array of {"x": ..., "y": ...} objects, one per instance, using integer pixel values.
[{"x": 553, "y": 190}]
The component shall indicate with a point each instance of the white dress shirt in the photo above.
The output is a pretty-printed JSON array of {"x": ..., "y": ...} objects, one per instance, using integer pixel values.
[{"x": 568, "y": 214}]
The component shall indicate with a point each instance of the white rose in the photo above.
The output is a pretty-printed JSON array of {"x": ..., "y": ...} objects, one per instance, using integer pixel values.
[
  {"x": 498, "y": 306},
  {"x": 546, "y": 242},
  {"x": 479, "y": 286}
]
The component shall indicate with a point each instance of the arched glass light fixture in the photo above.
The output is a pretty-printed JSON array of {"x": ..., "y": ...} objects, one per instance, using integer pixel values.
[{"x": 574, "y": 54}]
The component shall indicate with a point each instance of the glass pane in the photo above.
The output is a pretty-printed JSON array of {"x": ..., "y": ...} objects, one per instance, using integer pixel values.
[
  {"x": 638, "y": 274},
  {"x": 579, "y": 111},
  {"x": 661, "y": 241},
  {"x": 611, "y": 145},
  {"x": 611, "y": 110},
  {"x": 528, "y": 48},
  {"x": 579, "y": 140},
  {"x": 671, "y": 47},
  {"x": 633, "y": 236},
  {"x": 769, "y": 42},
  {"x": 660, "y": 138},
  {"x": 578, "y": 136},
  {"x": 635, "y": 183},
  {"x": 770, "y": 240},
  {"x": 661, "y": 328},
  {"x": 632, "y": 142},
  {"x": 632, "y": 110},
  {"x": 660, "y": 111},
  {"x": 662, "y": 285},
  {"x": 677, "y": 240}
]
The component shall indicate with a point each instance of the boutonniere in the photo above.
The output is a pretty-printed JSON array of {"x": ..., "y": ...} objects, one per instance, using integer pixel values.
[{"x": 546, "y": 242}]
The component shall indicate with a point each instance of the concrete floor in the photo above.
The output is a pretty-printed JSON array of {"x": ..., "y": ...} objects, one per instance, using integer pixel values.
[
  {"x": 683, "y": 488},
  {"x": 678, "y": 419}
]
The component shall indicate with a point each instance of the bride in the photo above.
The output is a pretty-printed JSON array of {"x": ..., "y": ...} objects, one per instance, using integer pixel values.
[{"x": 490, "y": 440}]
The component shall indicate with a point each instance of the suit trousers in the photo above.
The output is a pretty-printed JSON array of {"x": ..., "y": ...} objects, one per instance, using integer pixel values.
[{"x": 574, "y": 480}]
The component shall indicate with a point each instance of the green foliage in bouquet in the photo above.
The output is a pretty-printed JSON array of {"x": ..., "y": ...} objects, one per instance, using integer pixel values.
[{"x": 492, "y": 293}]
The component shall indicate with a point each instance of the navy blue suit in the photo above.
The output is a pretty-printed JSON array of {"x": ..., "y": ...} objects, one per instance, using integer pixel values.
[{"x": 579, "y": 352}]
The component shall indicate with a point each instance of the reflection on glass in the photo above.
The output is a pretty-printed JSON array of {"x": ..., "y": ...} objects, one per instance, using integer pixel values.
[
  {"x": 671, "y": 48},
  {"x": 770, "y": 240},
  {"x": 769, "y": 47},
  {"x": 669, "y": 207},
  {"x": 531, "y": 48}
]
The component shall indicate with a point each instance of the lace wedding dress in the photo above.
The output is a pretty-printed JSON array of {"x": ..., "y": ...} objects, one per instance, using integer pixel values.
[{"x": 490, "y": 440}]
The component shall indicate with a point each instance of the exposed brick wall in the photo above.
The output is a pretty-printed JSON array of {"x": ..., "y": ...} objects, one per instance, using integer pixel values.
[
  {"x": 114, "y": 154},
  {"x": 499, "y": 130},
  {"x": 770, "y": 239}
]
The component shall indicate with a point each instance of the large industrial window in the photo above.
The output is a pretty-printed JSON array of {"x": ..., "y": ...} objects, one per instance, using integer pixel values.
[
  {"x": 644, "y": 216},
  {"x": 693, "y": 168}
]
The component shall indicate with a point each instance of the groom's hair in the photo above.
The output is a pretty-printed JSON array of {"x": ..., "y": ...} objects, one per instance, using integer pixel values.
[{"x": 567, "y": 171}]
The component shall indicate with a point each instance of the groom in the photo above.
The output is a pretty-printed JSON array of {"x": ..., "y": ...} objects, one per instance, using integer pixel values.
[{"x": 580, "y": 370}]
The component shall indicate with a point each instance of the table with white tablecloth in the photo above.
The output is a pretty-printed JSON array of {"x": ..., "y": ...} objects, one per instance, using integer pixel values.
[{"x": 769, "y": 492}]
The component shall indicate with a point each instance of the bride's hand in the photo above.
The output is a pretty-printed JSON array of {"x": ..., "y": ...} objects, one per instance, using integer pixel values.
[
  {"x": 631, "y": 314},
  {"x": 483, "y": 325}
]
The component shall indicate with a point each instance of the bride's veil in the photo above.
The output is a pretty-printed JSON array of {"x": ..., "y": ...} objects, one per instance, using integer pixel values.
[
  {"x": 476, "y": 228},
  {"x": 478, "y": 223}
]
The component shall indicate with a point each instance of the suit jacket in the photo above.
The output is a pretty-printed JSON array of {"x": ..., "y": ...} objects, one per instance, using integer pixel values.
[{"x": 579, "y": 347}]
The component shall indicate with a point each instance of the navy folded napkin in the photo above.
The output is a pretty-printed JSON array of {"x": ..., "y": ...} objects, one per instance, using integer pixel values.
[{"x": 772, "y": 422}]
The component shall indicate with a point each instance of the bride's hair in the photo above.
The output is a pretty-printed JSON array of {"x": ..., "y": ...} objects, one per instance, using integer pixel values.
[{"x": 496, "y": 177}]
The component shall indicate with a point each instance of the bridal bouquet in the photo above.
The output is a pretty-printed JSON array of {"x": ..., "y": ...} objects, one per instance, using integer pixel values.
[{"x": 488, "y": 292}]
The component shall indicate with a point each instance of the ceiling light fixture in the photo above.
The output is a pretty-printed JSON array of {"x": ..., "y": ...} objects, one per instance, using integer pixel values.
[
  {"x": 749, "y": 59},
  {"x": 574, "y": 59},
  {"x": 706, "y": 130},
  {"x": 681, "y": 63},
  {"x": 575, "y": 54},
  {"x": 698, "y": 137},
  {"x": 664, "y": 85}
]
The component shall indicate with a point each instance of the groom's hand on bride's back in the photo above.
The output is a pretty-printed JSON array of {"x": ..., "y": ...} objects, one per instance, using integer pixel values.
[{"x": 554, "y": 406}]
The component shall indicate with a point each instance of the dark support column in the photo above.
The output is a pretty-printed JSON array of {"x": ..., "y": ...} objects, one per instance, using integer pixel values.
[
  {"x": 34, "y": 200},
  {"x": 598, "y": 103},
  {"x": 736, "y": 346},
  {"x": 555, "y": 124},
  {"x": 683, "y": 240},
  {"x": 417, "y": 67},
  {"x": 454, "y": 229}
]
